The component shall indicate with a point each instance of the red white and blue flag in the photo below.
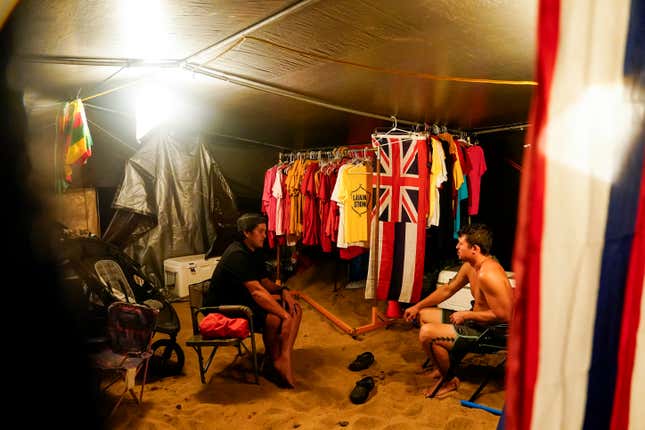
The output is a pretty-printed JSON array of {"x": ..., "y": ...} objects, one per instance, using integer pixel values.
[
  {"x": 577, "y": 346},
  {"x": 397, "y": 248}
]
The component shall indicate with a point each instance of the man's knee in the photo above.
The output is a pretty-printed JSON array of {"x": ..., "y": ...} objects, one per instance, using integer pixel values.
[
  {"x": 272, "y": 322},
  {"x": 427, "y": 332},
  {"x": 430, "y": 315},
  {"x": 440, "y": 334}
]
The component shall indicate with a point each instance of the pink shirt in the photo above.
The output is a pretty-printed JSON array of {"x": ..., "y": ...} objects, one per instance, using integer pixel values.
[
  {"x": 478, "y": 168},
  {"x": 269, "y": 203}
]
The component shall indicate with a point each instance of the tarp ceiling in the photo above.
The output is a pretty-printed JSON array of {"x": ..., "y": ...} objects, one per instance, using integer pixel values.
[{"x": 397, "y": 49}]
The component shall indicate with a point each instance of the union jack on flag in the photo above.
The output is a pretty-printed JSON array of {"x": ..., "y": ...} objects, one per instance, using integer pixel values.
[
  {"x": 402, "y": 181},
  {"x": 397, "y": 243}
]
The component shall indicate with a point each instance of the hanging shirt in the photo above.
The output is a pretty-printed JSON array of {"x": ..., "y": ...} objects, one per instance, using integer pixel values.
[
  {"x": 335, "y": 197},
  {"x": 438, "y": 175},
  {"x": 478, "y": 167},
  {"x": 269, "y": 203},
  {"x": 279, "y": 203},
  {"x": 310, "y": 217},
  {"x": 457, "y": 172},
  {"x": 323, "y": 194},
  {"x": 462, "y": 194},
  {"x": 333, "y": 219},
  {"x": 293, "y": 188},
  {"x": 352, "y": 193},
  {"x": 286, "y": 200},
  {"x": 463, "y": 159}
]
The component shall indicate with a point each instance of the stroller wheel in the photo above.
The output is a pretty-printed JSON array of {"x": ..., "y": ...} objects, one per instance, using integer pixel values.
[{"x": 167, "y": 359}]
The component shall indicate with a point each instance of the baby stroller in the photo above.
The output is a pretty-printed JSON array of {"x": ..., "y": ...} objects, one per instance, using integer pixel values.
[{"x": 105, "y": 274}]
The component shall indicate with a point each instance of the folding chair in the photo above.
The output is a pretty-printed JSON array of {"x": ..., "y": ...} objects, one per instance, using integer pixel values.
[
  {"x": 491, "y": 341},
  {"x": 130, "y": 328},
  {"x": 197, "y": 294}
]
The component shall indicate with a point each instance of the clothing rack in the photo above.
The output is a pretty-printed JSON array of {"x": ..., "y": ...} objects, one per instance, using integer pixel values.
[
  {"x": 378, "y": 319},
  {"x": 326, "y": 152}
]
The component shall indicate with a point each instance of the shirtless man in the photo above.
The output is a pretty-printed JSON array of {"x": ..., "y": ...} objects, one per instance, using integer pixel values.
[{"x": 489, "y": 286}]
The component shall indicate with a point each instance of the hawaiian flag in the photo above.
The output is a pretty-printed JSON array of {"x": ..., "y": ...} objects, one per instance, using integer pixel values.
[
  {"x": 73, "y": 139},
  {"x": 577, "y": 346},
  {"x": 397, "y": 242}
]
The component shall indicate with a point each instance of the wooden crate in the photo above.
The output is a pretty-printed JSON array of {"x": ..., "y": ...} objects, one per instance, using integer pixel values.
[{"x": 77, "y": 208}]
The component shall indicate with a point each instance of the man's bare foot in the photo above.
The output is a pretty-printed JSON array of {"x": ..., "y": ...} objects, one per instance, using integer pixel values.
[
  {"x": 428, "y": 392},
  {"x": 283, "y": 367},
  {"x": 447, "y": 388}
]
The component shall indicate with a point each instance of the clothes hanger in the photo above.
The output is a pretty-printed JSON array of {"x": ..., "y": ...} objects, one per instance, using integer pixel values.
[
  {"x": 356, "y": 159},
  {"x": 395, "y": 131},
  {"x": 395, "y": 128}
]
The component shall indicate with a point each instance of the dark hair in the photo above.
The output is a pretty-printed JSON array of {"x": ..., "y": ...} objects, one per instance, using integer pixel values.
[
  {"x": 480, "y": 235},
  {"x": 249, "y": 221}
]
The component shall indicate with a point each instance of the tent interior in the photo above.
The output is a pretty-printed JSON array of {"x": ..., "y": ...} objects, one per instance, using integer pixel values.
[
  {"x": 255, "y": 79},
  {"x": 190, "y": 103},
  {"x": 258, "y": 78}
]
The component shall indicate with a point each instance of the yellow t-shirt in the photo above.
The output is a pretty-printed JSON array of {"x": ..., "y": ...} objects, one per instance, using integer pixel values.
[
  {"x": 457, "y": 172},
  {"x": 438, "y": 175},
  {"x": 355, "y": 195}
]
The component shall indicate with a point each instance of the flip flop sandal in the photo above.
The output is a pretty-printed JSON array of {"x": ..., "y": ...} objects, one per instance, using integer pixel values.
[
  {"x": 361, "y": 362},
  {"x": 362, "y": 390}
]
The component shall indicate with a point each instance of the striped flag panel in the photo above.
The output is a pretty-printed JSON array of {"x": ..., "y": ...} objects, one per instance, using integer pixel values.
[{"x": 580, "y": 254}]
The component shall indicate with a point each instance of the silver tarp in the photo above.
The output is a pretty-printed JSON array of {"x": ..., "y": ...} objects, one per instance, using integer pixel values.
[{"x": 173, "y": 201}]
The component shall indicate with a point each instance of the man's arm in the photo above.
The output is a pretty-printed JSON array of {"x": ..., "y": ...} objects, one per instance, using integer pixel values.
[
  {"x": 440, "y": 294},
  {"x": 264, "y": 299},
  {"x": 270, "y": 286},
  {"x": 287, "y": 299}
]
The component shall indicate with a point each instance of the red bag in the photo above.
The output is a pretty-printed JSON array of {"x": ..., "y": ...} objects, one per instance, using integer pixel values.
[{"x": 218, "y": 325}]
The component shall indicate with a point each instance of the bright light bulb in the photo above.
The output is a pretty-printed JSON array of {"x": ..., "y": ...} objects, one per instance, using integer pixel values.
[{"x": 152, "y": 108}]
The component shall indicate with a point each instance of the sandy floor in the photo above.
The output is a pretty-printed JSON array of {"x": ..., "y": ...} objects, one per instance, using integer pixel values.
[{"x": 230, "y": 400}]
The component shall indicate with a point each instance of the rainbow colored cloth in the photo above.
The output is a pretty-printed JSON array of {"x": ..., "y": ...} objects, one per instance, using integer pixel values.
[{"x": 74, "y": 132}]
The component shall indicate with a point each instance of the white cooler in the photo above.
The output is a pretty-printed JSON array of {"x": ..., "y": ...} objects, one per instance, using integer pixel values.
[
  {"x": 180, "y": 272},
  {"x": 460, "y": 301}
]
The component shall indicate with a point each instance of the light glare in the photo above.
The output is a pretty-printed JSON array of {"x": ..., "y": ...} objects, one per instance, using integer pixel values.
[{"x": 152, "y": 108}]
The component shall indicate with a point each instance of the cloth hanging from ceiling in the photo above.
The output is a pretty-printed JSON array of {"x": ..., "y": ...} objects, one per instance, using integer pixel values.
[
  {"x": 397, "y": 242},
  {"x": 73, "y": 141}
]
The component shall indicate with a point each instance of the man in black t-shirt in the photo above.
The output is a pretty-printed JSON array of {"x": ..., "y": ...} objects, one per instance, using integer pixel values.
[{"x": 240, "y": 278}]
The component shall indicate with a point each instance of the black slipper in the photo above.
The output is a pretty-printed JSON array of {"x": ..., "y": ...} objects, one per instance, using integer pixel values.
[
  {"x": 361, "y": 391},
  {"x": 361, "y": 362}
]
